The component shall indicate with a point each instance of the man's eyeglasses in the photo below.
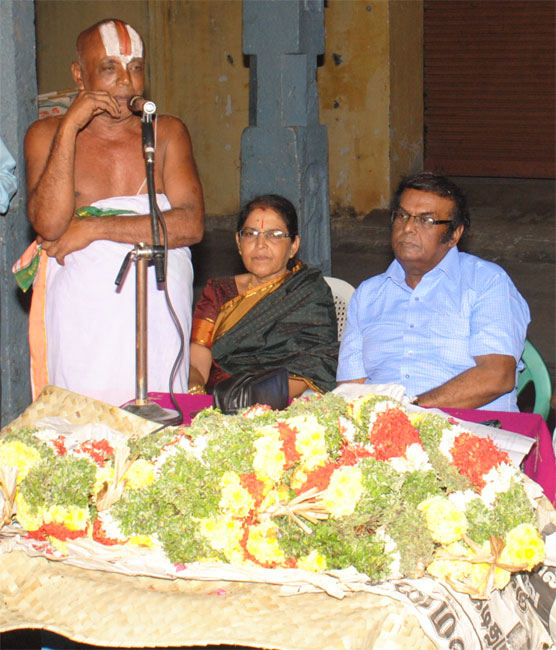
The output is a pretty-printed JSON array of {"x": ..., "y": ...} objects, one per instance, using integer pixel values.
[
  {"x": 250, "y": 234},
  {"x": 401, "y": 217}
]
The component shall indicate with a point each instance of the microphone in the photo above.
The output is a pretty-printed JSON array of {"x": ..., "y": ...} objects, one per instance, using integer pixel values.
[{"x": 138, "y": 104}]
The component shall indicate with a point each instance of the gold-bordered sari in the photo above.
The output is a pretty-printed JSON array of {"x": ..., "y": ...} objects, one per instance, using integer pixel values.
[{"x": 289, "y": 321}]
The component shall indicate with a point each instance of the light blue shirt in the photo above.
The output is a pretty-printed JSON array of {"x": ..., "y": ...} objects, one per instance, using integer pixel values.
[
  {"x": 420, "y": 338},
  {"x": 8, "y": 182}
]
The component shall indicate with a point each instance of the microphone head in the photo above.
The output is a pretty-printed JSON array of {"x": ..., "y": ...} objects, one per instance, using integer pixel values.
[{"x": 136, "y": 104}]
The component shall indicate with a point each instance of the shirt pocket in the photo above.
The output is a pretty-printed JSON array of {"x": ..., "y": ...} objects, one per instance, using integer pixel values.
[{"x": 449, "y": 330}]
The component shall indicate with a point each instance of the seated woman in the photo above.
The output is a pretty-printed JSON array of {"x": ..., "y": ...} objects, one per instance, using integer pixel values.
[{"x": 279, "y": 313}]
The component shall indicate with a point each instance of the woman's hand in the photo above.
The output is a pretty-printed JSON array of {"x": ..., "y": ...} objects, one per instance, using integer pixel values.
[{"x": 200, "y": 361}]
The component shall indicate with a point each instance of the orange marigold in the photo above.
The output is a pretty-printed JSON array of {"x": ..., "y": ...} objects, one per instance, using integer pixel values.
[
  {"x": 254, "y": 486},
  {"x": 475, "y": 457},
  {"x": 392, "y": 434},
  {"x": 287, "y": 436},
  {"x": 319, "y": 478}
]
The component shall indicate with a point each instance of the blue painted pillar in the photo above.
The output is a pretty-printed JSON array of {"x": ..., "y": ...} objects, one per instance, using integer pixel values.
[
  {"x": 285, "y": 149},
  {"x": 18, "y": 108}
]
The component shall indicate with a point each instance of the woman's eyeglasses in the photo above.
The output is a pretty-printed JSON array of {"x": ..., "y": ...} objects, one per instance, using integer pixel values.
[
  {"x": 401, "y": 217},
  {"x": 250, "y": 234}
]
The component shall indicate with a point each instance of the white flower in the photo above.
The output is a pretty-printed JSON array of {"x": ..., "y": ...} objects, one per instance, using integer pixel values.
[
  {"x": 195, "y": 448},
  {"x": 447, "y": 439},
  {"x": 498, "y": 479},
  {"x": 416, "y": 459},
  {"x": 462, "y": 498},
  {"x": 111, "y": 526},
  {"x": 347, "y": 428},
  {"x": 391, "y": 550}
]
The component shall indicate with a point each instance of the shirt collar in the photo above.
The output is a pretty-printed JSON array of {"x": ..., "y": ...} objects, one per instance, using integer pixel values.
[{"x": 449, "y": 265}]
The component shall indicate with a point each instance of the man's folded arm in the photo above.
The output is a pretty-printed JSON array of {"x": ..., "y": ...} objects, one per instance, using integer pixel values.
[{"x": 493, "y": 376}]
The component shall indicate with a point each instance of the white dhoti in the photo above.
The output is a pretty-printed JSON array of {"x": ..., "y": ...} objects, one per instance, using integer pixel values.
[{"x": 90, "y": 328}]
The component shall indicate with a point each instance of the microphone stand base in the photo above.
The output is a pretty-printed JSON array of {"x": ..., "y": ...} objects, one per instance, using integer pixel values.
[{"x": 154, "y": 412}]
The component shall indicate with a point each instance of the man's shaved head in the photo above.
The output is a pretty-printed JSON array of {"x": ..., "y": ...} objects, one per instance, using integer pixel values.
[{"x": 120, "y": 40}]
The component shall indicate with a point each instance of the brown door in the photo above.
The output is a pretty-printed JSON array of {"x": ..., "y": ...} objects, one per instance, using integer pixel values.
[{"x": 489, "y": 84}]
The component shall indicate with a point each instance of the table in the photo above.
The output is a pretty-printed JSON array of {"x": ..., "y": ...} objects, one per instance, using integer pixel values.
[
  {"x": 75, "y": 598},
  {"x": 539, "y": 465}
]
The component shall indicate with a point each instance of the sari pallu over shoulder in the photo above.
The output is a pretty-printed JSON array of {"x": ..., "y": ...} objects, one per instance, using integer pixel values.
[{"x": 293, "y": 326}]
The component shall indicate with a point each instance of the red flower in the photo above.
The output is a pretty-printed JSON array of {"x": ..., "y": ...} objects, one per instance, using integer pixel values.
[
  {"x": 319, "y": 478},
  {"x": 287, "y": 436},
  {"x": 475, "y": 457},
  {"x": 59, "y": 531},
  {"x": 392, "y": 434},
  {"x": 99, "y": 450},
  {"x": 60, "y": 446},
  {"x": 352, "y": 454},
  {"x": 254, "y": 486}
]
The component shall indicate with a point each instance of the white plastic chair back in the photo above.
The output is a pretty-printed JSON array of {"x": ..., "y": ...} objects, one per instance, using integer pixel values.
[{"x": 342, "y": 292}]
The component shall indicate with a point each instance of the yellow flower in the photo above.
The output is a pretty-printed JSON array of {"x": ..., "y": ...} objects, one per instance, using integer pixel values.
[
  {"x": 103, "y": 475},
  {"x": 416, "y": 418},
  {"x": 280, "y": 494},
  {"x": 59, "y": 545},
  {"x": 310, "y": 442},
  {"x": 223, "y": 534},
  {"x": 263, "y": 544},
  {"x": 524, "y": 545},
  {"x": 313, "y": 562},
  {"x": 357, "y": 404},
  {"x": 71, "y": 517},
  {"x": 235, "y": 499},
  {"x": 26, "y": 519},
  {"x": 269, "y": 460},
  {"x": 469, "y": 574},
  {"x": 140, "y": 474},
  {"x": 18, "y": 454},
  {"x": 446, "y": 523},
  {"x": 144, "y": 540},
  {"x": 343, "y": 492},
  {"x": 298, "y": 478}
]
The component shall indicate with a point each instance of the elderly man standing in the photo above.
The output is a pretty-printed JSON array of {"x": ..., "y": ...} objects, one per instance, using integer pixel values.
[
  {"x": 88, "y": 205},
  {"x": 448, "y": 326}
]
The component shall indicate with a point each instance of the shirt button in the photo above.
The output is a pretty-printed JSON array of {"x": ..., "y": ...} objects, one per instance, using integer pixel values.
[
  {"x": 411, "y": 326},
  {"x": 407, "y": 376},
  {"x": 417, "y": 299},
  {"x": 410, "y": 352}
]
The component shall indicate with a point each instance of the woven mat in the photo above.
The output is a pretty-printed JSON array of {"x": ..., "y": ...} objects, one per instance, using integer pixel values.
[
  {"x": 107, "y": 609},
  {"x": 78, "y": 409}
]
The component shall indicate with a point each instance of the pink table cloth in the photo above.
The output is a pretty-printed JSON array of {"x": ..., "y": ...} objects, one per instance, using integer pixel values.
[{"x": 539, "y": 464}]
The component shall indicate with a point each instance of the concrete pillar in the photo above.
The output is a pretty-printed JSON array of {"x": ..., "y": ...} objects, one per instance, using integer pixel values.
[
  {"x": 18, "y": 108},
  {"x": 285, "y": 149}
]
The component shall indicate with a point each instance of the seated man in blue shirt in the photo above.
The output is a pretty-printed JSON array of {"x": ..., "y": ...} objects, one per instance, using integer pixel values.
[{"x": 448, "y": 326}]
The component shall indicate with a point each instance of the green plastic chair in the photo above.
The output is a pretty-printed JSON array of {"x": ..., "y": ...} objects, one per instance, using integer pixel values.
[{"x": 535, "y": 371}]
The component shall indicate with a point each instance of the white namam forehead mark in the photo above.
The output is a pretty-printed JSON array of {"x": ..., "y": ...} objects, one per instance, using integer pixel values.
[{"x": 131, "y": 48}]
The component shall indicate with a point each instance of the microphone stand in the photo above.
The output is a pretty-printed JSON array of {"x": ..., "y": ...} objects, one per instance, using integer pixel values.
[{"x": 142, "y": 254}]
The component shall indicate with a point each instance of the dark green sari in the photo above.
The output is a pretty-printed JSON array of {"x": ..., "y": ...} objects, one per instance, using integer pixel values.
[{"x": 293, "y": 326}]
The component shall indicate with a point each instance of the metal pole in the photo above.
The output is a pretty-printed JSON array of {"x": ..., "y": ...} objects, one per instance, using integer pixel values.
[{"x": 141, "y": 327}]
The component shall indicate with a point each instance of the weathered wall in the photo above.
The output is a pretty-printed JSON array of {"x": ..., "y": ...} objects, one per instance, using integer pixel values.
[
  {"x": 370, "y": 85},
  {"x": 17, "y": 110}
]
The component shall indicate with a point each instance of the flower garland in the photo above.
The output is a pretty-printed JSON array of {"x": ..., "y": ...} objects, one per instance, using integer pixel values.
[{"x": 325, "y": 484}]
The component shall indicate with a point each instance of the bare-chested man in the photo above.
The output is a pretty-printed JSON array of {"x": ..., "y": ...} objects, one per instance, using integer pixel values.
[{"x": 82, "y": 333}]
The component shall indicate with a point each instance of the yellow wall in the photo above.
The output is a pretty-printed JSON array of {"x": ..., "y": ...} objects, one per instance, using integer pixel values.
[{"x": 370, "y": 85}]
